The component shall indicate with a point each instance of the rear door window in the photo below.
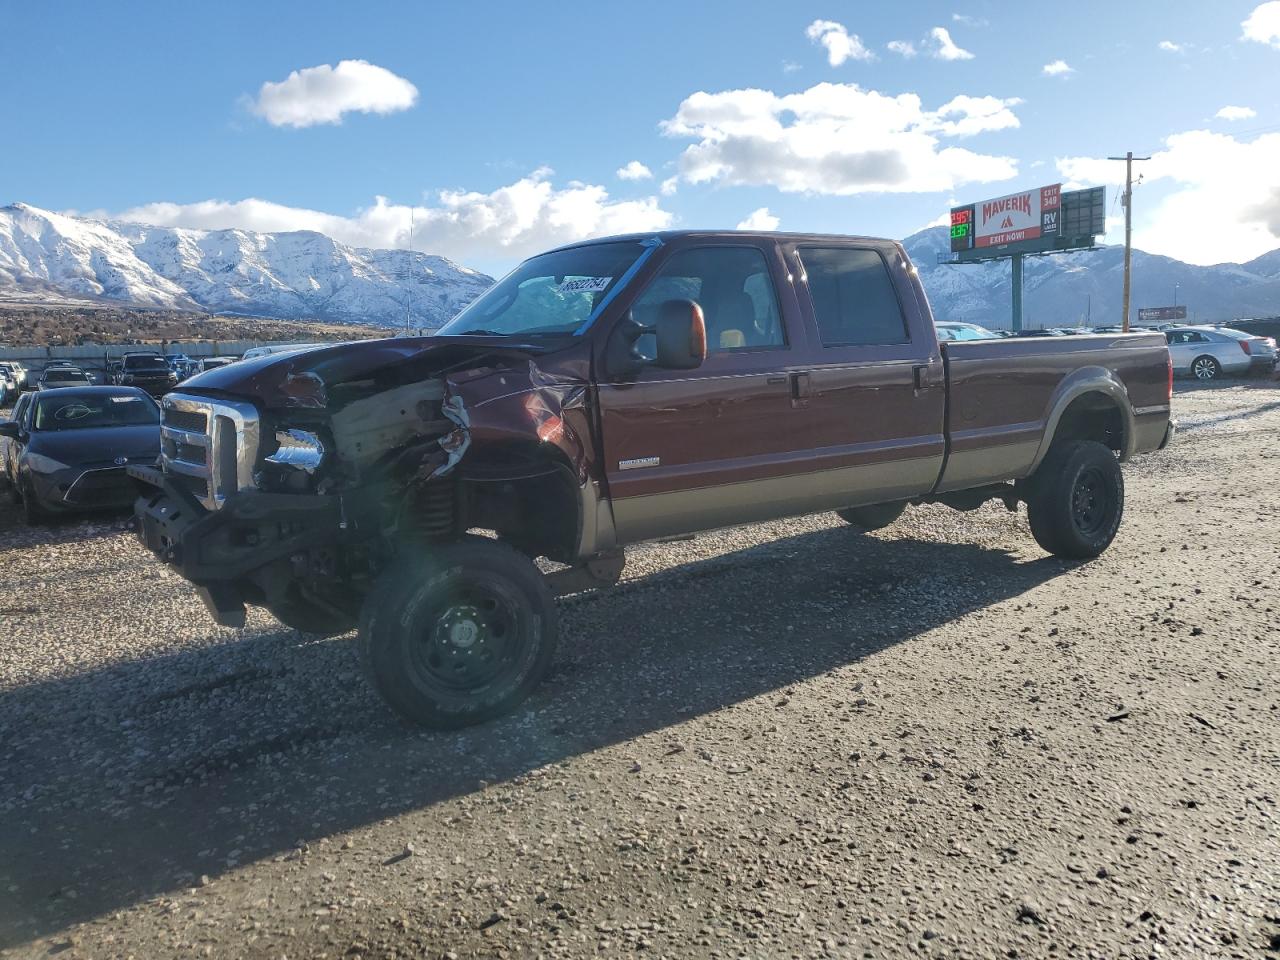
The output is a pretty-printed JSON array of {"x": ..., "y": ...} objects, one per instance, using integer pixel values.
[{"x": 854, "y": 301}]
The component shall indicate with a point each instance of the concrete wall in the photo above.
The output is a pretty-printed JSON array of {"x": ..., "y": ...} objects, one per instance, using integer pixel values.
[{"x": 92, "y": 358}]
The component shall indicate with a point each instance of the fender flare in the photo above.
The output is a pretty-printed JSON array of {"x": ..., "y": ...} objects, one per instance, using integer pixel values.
[{"x": 1079, "y": 383}]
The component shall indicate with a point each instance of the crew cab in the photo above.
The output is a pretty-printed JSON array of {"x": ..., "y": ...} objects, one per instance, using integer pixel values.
[{"x": 607, "y": 393}]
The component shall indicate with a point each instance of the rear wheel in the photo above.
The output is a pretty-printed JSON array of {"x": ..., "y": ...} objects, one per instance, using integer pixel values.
[
  {"x": 1077, "y": 500},
  {"x": 1206, "y": 368},
  {"x": 459, "y": 633},
  {"x": 873, "y": 517}
]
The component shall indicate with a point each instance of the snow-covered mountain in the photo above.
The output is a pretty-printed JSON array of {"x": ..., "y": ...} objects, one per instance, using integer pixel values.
[
  {"x": 1064, "y": 289},
  {"x": 300, "y": 275},
  {"x": 304, "y": 275}
]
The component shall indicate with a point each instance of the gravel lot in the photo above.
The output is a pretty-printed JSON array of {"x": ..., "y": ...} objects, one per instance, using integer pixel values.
[{"x": 782, "y": 739}]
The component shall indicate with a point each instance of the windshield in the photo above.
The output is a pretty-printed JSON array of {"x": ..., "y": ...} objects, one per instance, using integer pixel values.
[
  {"x": 84, "y": 410},
  {"x": 552, "y": 294},
  {"x": 146, "y": 363},
  {"x": 63, "y": 375}
]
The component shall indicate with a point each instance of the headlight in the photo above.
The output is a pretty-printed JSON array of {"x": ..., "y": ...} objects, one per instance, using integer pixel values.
[
  {"x": 42, "y": 464},
  {"x": 299, "y": 449}
]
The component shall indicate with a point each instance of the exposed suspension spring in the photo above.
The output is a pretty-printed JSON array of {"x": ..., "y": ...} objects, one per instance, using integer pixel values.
[{"x": 432, "y": 514}]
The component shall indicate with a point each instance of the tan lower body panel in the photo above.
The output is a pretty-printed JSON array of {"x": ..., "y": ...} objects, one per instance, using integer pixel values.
[
  {"x": 706, "y": 508},
  {"x": 973, "y": 468}
]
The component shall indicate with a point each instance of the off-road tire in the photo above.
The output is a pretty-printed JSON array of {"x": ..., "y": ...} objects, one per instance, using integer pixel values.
[
  {"x": 1206, "y": 368},
  {"x": 456, "y": 634},
  {"x": 1076, "y": 501},
  {"x": 873, "y": 517}
]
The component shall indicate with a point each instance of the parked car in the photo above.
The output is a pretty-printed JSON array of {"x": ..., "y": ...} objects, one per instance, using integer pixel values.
[
  {"x": 1206, "y": 353},
  {"x": 17, "y": 372},
  {"x": 70, "y": 447},
  {"x": 604, "y": 394},
  {"x": 9, "y": 389},
  {"x": 56, "y": 376},
  {"x": 274, "y": 348},
  {"x": 955, "y": 330},
  {"x": 147, "y": 371},
  {"x": 213, "y": 363}
]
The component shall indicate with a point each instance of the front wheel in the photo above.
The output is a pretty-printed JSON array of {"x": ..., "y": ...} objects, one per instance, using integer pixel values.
[
  {"x": 1077, "y": 500},
  {"x": 458, "y": 633},
  {"x": 1206, "y": 368},
  {"x": 33, "y": 511}
]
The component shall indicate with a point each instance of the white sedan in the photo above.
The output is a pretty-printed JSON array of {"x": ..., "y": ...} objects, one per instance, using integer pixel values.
[{"x": 1208, "y": 353}]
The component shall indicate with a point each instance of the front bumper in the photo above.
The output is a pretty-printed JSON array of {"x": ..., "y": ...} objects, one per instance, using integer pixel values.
[
  {"x": 104, "y": 488},
  {"x": 220, "y": 551}
]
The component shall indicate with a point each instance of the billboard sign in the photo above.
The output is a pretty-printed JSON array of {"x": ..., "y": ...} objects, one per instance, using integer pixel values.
[
  {"x": 1040, "y": 220},
  {"x": 1161, "y": 314},
  {"x": 1019, "y": 216}
]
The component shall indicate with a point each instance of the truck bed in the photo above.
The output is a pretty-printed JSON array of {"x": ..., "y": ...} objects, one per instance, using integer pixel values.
[{"x": 1005, "y": 397}]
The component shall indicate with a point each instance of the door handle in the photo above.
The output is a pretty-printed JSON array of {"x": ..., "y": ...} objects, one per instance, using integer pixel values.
[
  {"x": 799, "y": 389},
  {"x": 776, "y": 381},
  {"x": 919, "y": 379}
]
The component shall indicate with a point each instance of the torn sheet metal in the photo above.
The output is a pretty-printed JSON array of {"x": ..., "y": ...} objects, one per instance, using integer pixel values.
[{"x": 456, "y": 442}]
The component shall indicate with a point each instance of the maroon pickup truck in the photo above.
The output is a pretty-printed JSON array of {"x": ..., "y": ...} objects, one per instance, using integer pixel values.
[{"x": 607, "y": 393}]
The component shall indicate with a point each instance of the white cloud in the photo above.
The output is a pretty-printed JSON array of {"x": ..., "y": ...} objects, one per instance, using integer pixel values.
[
  {"x": 942, "y": 47},
  {"x": 635, "y": 170},
  {"x": 903, "y": 48},
  {"x": 840, "y": 43},
  {"x": 323, "y": 94},
  {"x": 1223, "y": 202},
  {"x": 520, "y": 218},
  {"x": 1058, "y": 68},
  {"x": 837, "y": 139},
  {"x": 760, "y": 219},
  {"x": 790, "y": 66},
  {"x": 1168, "y": 46},
  {"x": 1263, "y": 24},
  {"x": 669, "y": 186},
  {"x": 1236, "y": 113},
  {"x": 969, "y": 21}
]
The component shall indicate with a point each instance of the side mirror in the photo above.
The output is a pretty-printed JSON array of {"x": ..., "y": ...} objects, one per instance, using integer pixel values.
[
  {"x": 681, "y": 333},
  {"x": 9, "y": 428}
]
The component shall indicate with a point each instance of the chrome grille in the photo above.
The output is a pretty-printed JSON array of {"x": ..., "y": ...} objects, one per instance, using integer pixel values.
[{"x": 208, "y": 446}]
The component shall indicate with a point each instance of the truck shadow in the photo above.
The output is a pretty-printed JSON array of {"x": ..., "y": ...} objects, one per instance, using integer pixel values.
[{"x": 122, "y": 784}]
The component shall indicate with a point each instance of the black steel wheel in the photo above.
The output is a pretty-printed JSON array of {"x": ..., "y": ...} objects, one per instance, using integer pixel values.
[
  {"x": 1076, "y": 500},
  {"x": 1206, "y": 368},
  {"x": 458, "y": 633}
]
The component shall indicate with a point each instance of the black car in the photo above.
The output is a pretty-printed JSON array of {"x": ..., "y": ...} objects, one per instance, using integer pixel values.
[
  {"x": 69, "y": 448},
  {"x": 148, "y": 371},
  {"x": 57, "y": 376}
]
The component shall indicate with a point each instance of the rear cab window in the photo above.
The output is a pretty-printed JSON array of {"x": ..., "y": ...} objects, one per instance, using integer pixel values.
[{"x": 854, "y": 300}]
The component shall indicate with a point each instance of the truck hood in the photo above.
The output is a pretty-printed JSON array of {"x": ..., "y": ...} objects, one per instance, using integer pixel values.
[{"x": 307, "y": 379}]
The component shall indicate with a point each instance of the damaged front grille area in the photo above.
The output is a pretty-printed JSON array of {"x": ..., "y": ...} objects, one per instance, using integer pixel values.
[{"x": 208, "y": 446}]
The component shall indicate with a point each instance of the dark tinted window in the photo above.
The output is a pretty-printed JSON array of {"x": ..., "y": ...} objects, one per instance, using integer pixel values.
[
  {"x": 853, "y": 297},
  {"x": 733, "y": 287},
  {"x": 146, "y": 363},
  {"x": 64, "y": 375}
]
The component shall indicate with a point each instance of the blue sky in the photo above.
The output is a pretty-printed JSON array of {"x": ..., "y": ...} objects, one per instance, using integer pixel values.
[{"x": 524, "y": 112}]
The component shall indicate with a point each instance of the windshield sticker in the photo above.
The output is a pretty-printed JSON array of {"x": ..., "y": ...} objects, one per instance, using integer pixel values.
[
  {"x": 126, "y": 399},
  {"x": 585, "y": 285}
]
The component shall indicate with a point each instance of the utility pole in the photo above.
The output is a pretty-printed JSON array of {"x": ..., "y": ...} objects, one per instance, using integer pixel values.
[
  {"x": 1017, "y": 292},
  {"x": 408, "y": 275},
  {"x": 1128, "y": 159}
]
